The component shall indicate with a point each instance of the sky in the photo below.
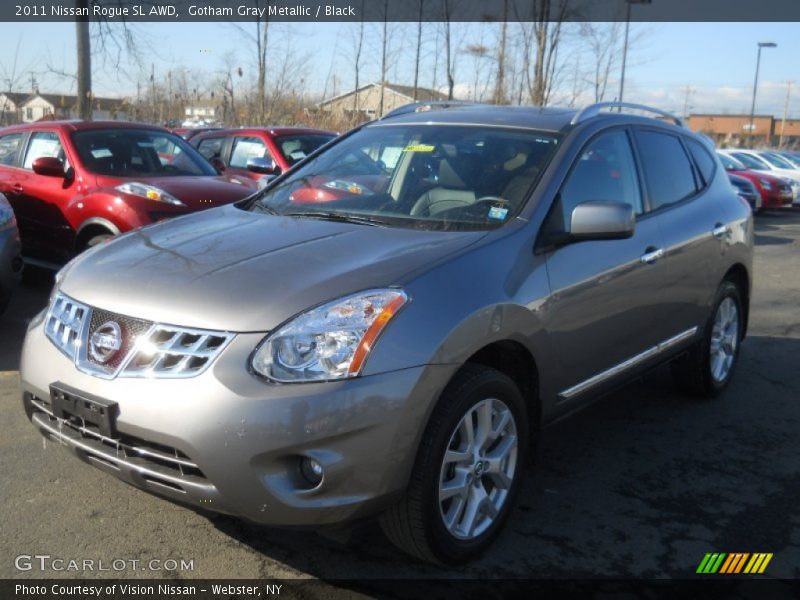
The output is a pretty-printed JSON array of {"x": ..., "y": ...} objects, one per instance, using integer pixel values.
[{"x": 715, "y": 60}]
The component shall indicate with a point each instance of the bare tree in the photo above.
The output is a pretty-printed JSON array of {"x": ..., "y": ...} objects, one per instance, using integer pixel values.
[
  {"x": 449, "y": 68},
  {"x": 358, "y": 46},
  {"x": 384, "y": 52},
  {"x": 420, "y": 6},
  {"x": 258, "y": 37},
  {"x": 601, "y": 40},
  {"x": 499, "y": 96}
]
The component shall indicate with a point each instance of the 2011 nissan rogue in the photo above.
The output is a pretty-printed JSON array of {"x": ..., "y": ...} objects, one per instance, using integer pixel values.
[{"x": 384, "y": 329}]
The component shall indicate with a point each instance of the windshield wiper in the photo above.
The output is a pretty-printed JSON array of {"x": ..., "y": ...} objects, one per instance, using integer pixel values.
[
  {"x": 265, "y": 208},
  {"x": 341, "y": 217}
]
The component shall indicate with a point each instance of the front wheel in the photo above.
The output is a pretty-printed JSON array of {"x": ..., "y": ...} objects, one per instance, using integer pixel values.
[
  {"x": 467, "y": 472},
  {"x": 708, "y": 367}
]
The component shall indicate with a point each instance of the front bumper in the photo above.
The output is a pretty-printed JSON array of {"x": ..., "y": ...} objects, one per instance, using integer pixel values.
[{"x": 230, "y": 442}]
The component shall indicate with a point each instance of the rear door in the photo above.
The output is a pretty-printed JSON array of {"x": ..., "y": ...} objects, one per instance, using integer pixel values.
[
  {"x": 606, "y": 309},
  {"x": 679, "y": 172}
]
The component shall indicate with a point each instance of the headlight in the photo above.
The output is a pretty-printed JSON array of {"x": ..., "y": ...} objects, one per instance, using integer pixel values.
[
  {"x": 148, "y": 191},
  {"x": 329, "y": 342},
  {"x": 765, "y": 184}
]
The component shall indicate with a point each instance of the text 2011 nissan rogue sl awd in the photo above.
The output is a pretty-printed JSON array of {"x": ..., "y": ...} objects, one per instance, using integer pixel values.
[{"x": 383, "y": 330}]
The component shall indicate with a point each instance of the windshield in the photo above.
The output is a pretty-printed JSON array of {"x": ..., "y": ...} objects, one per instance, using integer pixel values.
[
  {"x": 422, "y": 176},
  {"x": 751, "y": 161},
  {"x": 138, "y": 153},
  {"x": 730, "y": 164},
  {"x": 777, "y": 161},
  {"x": 296, "y": 147}
]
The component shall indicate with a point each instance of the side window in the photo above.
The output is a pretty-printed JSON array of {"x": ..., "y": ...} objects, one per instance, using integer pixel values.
[
  {"x": 245, "y": 148},
  {"x": 211, "y": 147},
  {"x": 703, "y": 160},
  {"x": 667, "y": 170},
  {"x": 9, "y": 144},
  {"x": 605, "y": 170},
  {"x": 43, "y": 143}
]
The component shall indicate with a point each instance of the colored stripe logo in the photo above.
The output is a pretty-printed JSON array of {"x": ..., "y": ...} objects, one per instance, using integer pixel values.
[{"x": 733, "y": 563}]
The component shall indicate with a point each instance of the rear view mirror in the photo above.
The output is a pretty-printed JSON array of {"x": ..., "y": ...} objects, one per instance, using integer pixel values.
[
  {"x": 601, "y": 220},
  {"x": 48, "y": 166}
]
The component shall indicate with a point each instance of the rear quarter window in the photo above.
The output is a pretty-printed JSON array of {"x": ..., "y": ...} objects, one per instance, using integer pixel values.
[
  {"x": 9, "y": 144},
  {"x": 703, "y": 159},
  {"x": 667, "y": 170}
]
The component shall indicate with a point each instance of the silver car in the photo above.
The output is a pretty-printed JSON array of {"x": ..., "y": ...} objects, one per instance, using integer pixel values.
[{"x": 384, "y": 330}]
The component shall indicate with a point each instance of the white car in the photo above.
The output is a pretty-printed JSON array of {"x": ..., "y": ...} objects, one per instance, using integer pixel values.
[{"x": 763, "y": 160}]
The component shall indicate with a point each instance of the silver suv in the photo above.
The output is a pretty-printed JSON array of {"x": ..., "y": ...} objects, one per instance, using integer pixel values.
[{"x": 385, "y": 329}]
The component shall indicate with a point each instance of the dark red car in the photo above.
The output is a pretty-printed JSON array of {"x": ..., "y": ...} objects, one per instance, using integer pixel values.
[
  {"x": 75, "y": 184},
  {"x": 250, "y": 154},
  {"x": 775, "y": 192}
]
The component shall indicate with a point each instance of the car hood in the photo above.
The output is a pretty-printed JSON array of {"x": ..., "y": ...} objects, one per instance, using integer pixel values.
[
  {"x": 196, "y": 192},
  {"x": 229, "y": 269}
]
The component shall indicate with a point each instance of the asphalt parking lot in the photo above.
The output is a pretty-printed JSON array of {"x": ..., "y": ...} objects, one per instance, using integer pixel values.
[{"x": 641, "y": 484}]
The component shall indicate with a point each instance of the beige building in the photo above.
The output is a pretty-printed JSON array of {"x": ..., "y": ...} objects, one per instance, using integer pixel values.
[
  {"x": 735, "y": 130},
  {"x": 365, "y": 102}
]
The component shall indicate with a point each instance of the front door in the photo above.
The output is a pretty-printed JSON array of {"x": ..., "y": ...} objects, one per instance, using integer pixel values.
[{"x": 604, "y": 314}]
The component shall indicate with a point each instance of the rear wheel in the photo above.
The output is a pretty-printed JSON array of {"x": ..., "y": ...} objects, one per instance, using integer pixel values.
[
  {"x": 467, "y": 472},
  {"x": 708, "y": 367}
]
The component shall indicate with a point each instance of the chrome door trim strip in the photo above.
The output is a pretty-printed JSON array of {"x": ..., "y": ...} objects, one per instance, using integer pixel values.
[{"x": 627, "y": 364}]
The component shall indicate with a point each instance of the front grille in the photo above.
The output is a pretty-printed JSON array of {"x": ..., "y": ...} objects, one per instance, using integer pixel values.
[
  {"x": 164, "y": 459},
  {"x": 64, "y": 324},
  {"x": 146, "y": 349},
  {"x": 130, "y": 328}
]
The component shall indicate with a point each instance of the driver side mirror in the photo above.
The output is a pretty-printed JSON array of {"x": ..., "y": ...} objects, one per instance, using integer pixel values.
[
  {"x": 49, "y": 166},
  {"x": 264, "y": 166},
  {"x": 602, "y": 220}
]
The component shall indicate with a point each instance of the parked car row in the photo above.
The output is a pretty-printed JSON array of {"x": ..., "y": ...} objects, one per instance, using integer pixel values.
[
  {"x": 775, "y": 175},
  {"x": 73, "y": 185}
]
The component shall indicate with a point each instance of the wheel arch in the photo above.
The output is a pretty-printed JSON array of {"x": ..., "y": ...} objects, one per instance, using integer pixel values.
[
  {"x": 739, "y": 276},
  {"x": 92, "y": 227}
]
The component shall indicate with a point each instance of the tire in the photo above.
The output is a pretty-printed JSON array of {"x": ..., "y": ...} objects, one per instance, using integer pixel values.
[
  {"x": 417, "y": 523},
  {"x": 699, "y": 373},
  {"x": 97, "y": 239}
]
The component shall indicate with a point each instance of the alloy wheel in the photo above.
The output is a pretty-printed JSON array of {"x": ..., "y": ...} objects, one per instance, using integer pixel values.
[{"x": 724, "y": 339}]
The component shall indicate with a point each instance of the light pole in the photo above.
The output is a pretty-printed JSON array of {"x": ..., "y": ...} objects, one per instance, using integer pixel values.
[
  {"x": 625, "y": 46},
  {"x": 755, "y": 85}
]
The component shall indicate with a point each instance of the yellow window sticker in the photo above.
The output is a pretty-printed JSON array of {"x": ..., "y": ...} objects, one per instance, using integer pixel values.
[{"x": 418, "y": 148}]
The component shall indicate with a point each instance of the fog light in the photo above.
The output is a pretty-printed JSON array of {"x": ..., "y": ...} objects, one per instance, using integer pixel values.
[{"x": 311, "y": 470}]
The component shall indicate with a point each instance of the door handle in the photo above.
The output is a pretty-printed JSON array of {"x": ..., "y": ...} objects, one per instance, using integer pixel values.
[
  {"x": 651, "y": 255},
  {"x": 16, "y": 188},
  {"x": 720, "y": 231}
]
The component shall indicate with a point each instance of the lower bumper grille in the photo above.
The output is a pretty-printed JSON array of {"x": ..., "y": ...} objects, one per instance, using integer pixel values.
[{"x": 145, "y": 464}]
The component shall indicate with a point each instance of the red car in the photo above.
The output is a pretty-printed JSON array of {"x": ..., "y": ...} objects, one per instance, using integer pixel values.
[
  {"x": 775, "y": 192},
  {"x": 75, "y": 184},
  {"x": 250, "y": 154}
]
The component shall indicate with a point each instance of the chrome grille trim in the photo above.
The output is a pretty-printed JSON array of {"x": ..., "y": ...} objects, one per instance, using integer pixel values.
[
  {"x": 174, "y": 352},
  {"x": 161, "y": 351},
  {"x": 128, "y": 449},
  {"x": 64, "y": 324}
]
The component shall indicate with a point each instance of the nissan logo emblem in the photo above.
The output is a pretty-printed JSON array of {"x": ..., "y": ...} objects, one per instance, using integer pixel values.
[{"x": 105, "y": 341}]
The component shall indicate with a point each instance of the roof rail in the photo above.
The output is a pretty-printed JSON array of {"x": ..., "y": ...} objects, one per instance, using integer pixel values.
[
  {"x": 594, "y": 109},
  {"x": 415, "y": 107}
]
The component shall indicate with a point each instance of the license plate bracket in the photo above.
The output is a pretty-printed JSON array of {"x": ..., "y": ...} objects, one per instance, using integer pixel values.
[{"x": 67, "y": 402}]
